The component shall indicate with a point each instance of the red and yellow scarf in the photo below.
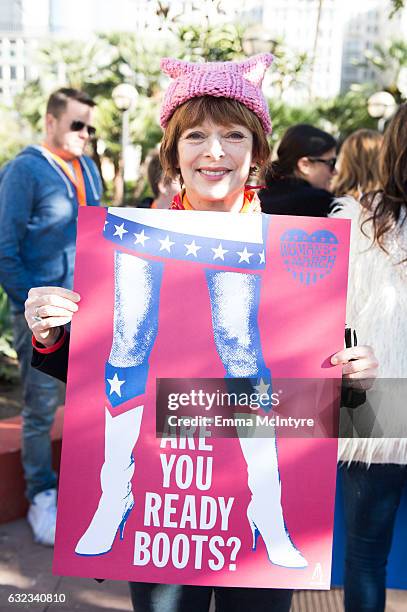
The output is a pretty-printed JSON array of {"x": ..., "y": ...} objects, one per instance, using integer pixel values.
[{"x": 251, "y": 202}]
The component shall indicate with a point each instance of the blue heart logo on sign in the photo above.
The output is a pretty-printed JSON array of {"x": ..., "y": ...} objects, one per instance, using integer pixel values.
[{"x": 308, "y": 257}]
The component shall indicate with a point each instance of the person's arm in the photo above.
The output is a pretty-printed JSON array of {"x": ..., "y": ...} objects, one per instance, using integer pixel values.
[
  {"x": 47, "y": 311},
  {"x": 54, "y": 359},
  {"x": 16, "y": 206},
  {"x": 359, "y": 370}
]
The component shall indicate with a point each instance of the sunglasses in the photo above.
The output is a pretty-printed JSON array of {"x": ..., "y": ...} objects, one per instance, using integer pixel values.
[
  {"x": 331, "y": 163},
  {"x": 77, "y": 126}
]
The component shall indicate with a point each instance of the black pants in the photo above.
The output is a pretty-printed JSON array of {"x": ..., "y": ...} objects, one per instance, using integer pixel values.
[{"x": 149, "y": 597}]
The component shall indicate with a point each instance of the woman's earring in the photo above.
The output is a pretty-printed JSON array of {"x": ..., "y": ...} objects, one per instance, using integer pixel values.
[{"x": 252, "y": 178}]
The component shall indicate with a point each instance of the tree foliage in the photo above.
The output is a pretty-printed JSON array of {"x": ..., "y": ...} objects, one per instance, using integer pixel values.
[
  {"x": 14, "y": 134},
  {"x": 210, "y": 44},
  {"x": 389, "y": 59},
  {"x": 397, "y": 5},
  {"x": 346, "y": 113},
  {"x": 101, "y": 63}
]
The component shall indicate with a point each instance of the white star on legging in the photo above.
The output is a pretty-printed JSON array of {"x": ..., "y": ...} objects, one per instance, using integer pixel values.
[
  {"x": 262, "y": 387},
  {"x": 115, "y": 385}
]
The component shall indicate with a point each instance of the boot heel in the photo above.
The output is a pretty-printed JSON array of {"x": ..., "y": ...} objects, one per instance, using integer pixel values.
[
  {"x": 124, "y": 521},
  {"x": 255, "y": 534},
  {"x": 280, "y": 549}
]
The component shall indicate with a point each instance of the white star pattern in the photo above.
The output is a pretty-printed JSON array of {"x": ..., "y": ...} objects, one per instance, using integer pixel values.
[
  {"x": 120, "y": 231},
  {"x": 141, "y": 238},
  {"x": 244, "y": 255},
  {"x": 262, "y": 387},
  {"x": 115, "y": 385},
  {"x": 219, "y": 252},
  {"x": 166, "y": 244},
  {"x": 192, "y": 249}
]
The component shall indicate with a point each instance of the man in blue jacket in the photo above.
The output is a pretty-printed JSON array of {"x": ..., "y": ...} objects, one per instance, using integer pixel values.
[{"x": 40, "y": 193}]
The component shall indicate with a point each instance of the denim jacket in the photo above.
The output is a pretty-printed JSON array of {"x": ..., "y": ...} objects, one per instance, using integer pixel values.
[{"x": 38, "y": 214}]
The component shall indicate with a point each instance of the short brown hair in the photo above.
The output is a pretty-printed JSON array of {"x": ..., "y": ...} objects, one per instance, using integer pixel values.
[
  {"x": 222, "y": 111},
  {"x": 58, "y": 100}
]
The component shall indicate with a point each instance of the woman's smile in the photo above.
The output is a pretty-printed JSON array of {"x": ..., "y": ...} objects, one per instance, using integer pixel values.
[{"x": 214, "y": 174}]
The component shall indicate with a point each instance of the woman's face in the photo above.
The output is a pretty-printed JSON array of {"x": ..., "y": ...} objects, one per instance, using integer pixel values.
[
  {"x": 215, "y": 161},
  {"x": 317, "y": 171}
]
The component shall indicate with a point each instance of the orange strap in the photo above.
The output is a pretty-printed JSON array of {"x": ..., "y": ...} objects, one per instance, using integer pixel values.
[
  {"x": 76, "y": 179},
  {"x": 80, "y": 182}
]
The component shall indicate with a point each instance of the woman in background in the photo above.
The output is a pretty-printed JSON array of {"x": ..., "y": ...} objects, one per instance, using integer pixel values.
[
  {"x": 298, "y": 181},
  {"x": 375, "y": 472},
  {"x": 358, "y": 164}
]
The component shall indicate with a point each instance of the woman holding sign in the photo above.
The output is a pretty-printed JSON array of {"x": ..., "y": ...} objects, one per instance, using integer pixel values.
[{"x": 215, "y": 122}]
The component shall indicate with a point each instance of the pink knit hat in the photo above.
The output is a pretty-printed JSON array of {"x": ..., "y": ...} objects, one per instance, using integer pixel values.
[{"x": 238, "y": 80}]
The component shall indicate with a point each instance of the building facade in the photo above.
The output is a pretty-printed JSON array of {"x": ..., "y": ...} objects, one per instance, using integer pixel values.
[
  {"x": 366, "y": 27},
  {"x": 334, "y": 34},
  {"x": 23, "y": 26}
]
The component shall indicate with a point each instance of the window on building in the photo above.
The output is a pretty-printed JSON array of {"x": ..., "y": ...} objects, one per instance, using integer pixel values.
[
  {"x": 13, "y": 48},
  {"x": 13, "y": 73}
]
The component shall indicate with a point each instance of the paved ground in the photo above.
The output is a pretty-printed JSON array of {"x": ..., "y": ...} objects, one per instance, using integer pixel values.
[{"x": 26, "y": 568}]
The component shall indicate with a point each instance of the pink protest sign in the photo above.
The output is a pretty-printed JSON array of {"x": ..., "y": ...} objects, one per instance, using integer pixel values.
[{"x": 190, "y": 295}]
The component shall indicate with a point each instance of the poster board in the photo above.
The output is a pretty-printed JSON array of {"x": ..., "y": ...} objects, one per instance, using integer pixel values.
[{"x": 193, "y": 507}]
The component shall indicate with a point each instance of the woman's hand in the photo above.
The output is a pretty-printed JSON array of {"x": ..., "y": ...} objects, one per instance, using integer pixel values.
[
  {"x": 359, "y": 366},
  {"x": 47, "y": 309}
]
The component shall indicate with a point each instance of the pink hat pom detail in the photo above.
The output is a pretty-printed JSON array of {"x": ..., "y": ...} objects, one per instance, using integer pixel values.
[{"x": 237, "y": 80}]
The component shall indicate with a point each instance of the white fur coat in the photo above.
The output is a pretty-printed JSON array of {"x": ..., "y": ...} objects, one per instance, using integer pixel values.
[{"x": 377, "y": 310}]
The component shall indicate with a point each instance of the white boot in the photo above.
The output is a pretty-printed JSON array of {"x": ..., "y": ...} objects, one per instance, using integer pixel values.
[
  {"x": 116, "y": 502},
  {"x": 264, "y": 511}
]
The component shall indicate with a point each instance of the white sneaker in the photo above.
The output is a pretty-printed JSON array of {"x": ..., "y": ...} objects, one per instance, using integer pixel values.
[{"x": 42, "y": 516}]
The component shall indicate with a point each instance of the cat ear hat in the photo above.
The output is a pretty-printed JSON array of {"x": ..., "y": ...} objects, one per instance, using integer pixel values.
[{"x": 238, "y": 80}]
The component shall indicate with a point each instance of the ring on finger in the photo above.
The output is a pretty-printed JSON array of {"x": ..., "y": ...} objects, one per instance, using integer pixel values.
[{"x": 36, "y": 316}]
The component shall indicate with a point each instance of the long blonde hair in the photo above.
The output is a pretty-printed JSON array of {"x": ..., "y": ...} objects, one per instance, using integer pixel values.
[{"x": 358, "y": 163}]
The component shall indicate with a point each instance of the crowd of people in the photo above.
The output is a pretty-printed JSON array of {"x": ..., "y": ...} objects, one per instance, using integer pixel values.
[{"x": 213, "y": 126}]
